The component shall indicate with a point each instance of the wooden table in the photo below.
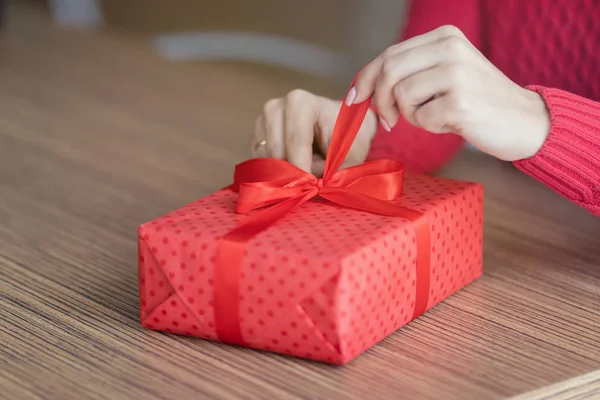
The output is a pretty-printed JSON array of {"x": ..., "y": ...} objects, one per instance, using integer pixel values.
[{"x": 98, "y": 136}]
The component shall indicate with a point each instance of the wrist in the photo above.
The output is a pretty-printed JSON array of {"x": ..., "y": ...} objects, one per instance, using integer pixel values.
[{"x": 537, "y": 125}]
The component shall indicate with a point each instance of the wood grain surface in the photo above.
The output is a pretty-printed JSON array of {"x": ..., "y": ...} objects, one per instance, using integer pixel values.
[
  {"x": 582, "y": 387},
  {"x": 97, "y": 136}
]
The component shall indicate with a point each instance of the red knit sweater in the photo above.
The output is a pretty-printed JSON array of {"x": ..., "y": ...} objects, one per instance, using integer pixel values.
[{"x": 551, "y": 47}]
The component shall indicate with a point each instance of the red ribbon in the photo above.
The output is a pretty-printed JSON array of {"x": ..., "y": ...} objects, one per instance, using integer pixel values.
[{"x": 279, "y": 187}]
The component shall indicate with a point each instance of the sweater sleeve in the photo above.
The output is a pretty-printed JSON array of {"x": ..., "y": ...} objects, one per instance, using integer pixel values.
[
  {"x": 569, "y": 161},
  {"x": 419, "y": 150}
]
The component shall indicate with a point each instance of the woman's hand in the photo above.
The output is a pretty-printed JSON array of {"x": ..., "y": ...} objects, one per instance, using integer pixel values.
[
  {"x": 293, "y": 127},
  {"x": 440, "y": 82}
]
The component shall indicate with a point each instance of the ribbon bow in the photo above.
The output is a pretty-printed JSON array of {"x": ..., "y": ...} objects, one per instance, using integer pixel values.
[{"x": 278, "y": 187}]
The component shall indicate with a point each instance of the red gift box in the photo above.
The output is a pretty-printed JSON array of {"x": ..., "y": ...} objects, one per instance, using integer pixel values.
[{"x": 267, "y": 264}]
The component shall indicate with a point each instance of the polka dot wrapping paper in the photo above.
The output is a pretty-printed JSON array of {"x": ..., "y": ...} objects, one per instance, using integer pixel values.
[{"x": 325, "y": 282}]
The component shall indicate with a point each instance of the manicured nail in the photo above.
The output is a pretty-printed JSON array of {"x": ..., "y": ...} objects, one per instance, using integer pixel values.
[
  {"x": 351, "y": 96},
  {"x": 385, "y": 124}
]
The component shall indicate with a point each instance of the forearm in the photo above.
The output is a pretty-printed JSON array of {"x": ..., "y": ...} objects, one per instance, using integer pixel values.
[{"x": 569, "y": 160}]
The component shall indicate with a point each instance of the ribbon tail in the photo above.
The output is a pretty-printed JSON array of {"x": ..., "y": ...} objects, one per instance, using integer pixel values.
[
  {"x": 345, "y": 129},
  {"x": 228, "y": 267},
  {"x": 361, "y": 202}
]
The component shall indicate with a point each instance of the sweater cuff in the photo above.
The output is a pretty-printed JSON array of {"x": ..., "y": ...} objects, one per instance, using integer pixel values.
[{"x": 569, "y": 160}]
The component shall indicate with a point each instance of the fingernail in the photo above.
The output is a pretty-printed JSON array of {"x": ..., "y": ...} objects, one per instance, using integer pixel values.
[
  {"x": 351, "y": 96},
  {"x": 385, "y": 124}
]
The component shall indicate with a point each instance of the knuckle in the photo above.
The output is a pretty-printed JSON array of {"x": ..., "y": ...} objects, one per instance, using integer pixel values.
[
  {"x": 388, "y": 53},
  {"x": 404, "y": 90},
  {"x": 387, "y": 67},
  {"x": 451, "y": 30},
  {"x": 389, "y": 63},
  {"x": 297, "y": 96},
  {"x": 402, "y": 95},
  {"x": 388, "y": 72},
  {"x": 454, "y": 45},
  {"x": 270, "y": 106}
]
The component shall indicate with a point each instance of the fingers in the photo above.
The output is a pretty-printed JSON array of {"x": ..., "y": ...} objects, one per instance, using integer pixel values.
[
  {"x": 420, "y": 88},
  {"x": 259, "y": 148},
  {"x": 399, "y": 62},
  {"x": 274, "y": 128},
  {"x": 398, "y": 68},
  {"x": 301, "y": 114},
  {"x": 300, "y": 124},
  {"x": 433, "y": 36},
  {"x": 440, "y": 115},
  {"x": 365, "y": 84},
  {"x": 285, "y": 129},
  {"x": 415, "y": 62}
]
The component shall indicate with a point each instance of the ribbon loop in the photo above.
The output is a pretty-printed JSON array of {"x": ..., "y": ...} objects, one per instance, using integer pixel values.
[{"x": 347, "y": 125}]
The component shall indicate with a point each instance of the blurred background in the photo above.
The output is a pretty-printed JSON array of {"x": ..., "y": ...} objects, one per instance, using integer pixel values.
[
  {"x": 329, "y": 39},
  {"x": 214, "y": 63}
]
